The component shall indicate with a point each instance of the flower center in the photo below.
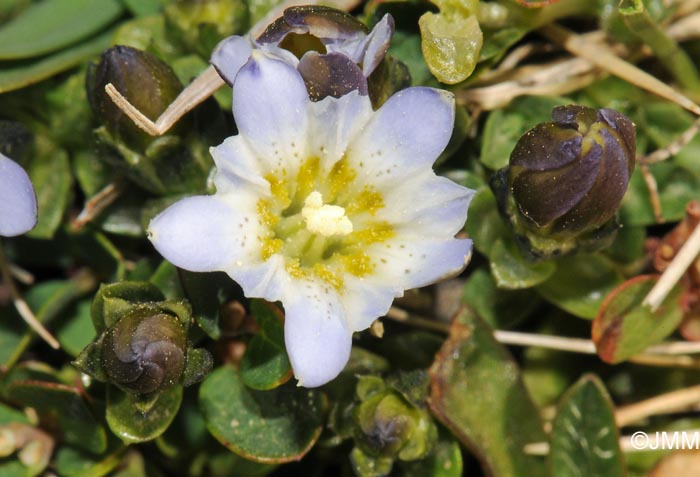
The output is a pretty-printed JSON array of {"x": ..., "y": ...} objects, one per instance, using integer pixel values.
[
  {"x": 324, "y": 219},
  {"x": 322, "y": 222}
]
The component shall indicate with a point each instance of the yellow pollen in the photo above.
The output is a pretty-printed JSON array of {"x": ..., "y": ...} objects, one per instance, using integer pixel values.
[{"x": 324, "y": 219}]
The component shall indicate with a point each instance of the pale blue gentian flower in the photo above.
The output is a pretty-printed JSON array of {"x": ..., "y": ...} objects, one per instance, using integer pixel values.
[
  {"x": 18, "y": 209},
  {"x": 348, "y": 53},
  {"x": 329, "y": 207}
]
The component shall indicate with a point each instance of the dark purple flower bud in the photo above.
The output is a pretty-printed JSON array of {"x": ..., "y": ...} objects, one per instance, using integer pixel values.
[
  {"x": 143, "y": 345},
  {"x": 566, "y": 179},
  {"x": 143, "y": 354},
  {"x": 148, "y": 83}
]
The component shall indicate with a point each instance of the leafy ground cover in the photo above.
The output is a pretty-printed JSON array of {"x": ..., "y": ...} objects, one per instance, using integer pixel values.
[{"x": 552, "y": 354}]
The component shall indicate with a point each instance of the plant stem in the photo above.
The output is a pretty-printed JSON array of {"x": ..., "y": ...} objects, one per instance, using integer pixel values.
[{"x": 674, "y": 58}]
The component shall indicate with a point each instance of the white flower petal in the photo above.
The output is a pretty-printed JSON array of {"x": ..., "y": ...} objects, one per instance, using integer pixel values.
[
  {"x": 316, "y": 334},
  {"x": 334, "y": 122},
  {"x": 377, "y": 44},
  {"x": 230, "y": 55},
  {"x": 18, "y": 209},
  {"x": 266, "y": 280},
  {"x": 270, "y": 104},
  {"x": 205, "y": 233},
  {"x": 438, "y": 206},
  {"x": 237, "y": 166},
  {"x": 406, "y": 134},
  {"x": 411, "y": 261},
  {"x": 366, "y": 300}
]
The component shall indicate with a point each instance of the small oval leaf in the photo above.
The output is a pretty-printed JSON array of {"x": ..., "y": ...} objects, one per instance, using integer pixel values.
[
  {"x": 276, "y": 426},
  {"x": 625, "y": 327},
  {"x": 133, "y": 422},
  {"x": 584, "y": 439}
]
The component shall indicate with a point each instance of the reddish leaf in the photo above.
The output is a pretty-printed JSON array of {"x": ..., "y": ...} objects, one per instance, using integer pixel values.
[{"x": 624, "y": 327}]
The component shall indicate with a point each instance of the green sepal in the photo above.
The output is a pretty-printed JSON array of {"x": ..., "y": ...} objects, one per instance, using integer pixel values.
[{"x": 113, "y": 300}]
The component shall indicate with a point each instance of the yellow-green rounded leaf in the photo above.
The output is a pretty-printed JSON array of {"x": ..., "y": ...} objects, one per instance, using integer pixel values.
[{"x": 451, "y": 45}]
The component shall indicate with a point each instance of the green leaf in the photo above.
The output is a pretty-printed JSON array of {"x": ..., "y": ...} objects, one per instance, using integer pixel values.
[
  {"x": 451, "y": 45},
  {"x": 500, "y": 308},
  {"x": 485, "y": 225},
  {"x": 133, "y": 423},
  {"x": 75, "y": 329},
  {"x": 18, "y": 74},
  {"x": 132, "y": 465},
  {"x": 112, "y": 300},
  {"x": 14, "y": 468},
  {"x": 584, "y": 438},
  {"x": 406, "y": 47},
  {"x": 167, "y": 279},
  {"x": 265, "y": 364},
  {"x": 504, "y": 126},
  {"x": 199, "y": 363},
  {"x": 478, "y": 394},
  {"x": 71, "y": 462},
  {"x": 676, "y": 187},
  {"x": 365, "y": 465},
  {"x": 444, "y": 461},
  {"x": 142, "y": 8},
  {"x": 65, "y": 404},
  {"x": 51, "y": 25},
  {"x": 512, "y": 270},
  {"x": 207, "y": 292},
  {"x": 410, "y": 350},
  {"x": 276, "y": 426},
  {"x": 493, "y": 238},
  {"x": 625, "y": 327},
  {"x": 580, "y": 284},
  {"x": 51, "y": 175},
  {"x": 9, "y": 415}
]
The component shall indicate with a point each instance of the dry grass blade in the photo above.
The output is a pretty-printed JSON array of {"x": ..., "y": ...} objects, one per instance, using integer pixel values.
[{"x": 602, "y": 57}]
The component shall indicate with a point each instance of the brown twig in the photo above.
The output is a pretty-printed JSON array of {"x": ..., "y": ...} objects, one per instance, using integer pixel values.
[
  {"x": 673, "y": 148},
  {"x": 604, "y": 58},
  {"x": 22, "y": 308},
  {"x": 98, "y": 203},
  {"x": 681, "y": 262},
  {"x": 674, "y": 401},
  {"x": 653, "y": 189}
]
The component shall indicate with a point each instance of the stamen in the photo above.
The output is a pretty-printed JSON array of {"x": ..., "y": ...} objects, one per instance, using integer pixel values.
[{"x": 324, "y": 219}]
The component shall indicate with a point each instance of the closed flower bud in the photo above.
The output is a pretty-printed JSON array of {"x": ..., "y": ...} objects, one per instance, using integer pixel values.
[
  {"x": 148, "y": 83},
  {"x": 142, "y": 346},
  {"x": 143, "y": 354},
  {"x": 170, "y": 164},
  {"x": 387, "y": 425},
  {"x": 566, "y": 179}
]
